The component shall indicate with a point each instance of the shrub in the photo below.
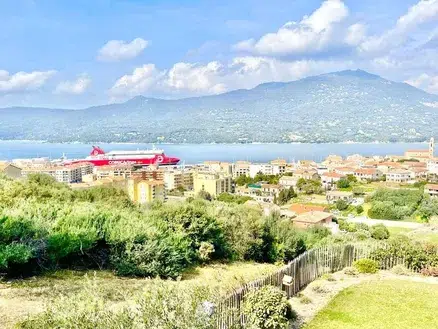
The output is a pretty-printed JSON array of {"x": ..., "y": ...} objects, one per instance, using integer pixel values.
[
  {"x": 359, "y": 209},
  {"x": 341, "y": 205},
  {"x": 351, "y": 271},
  {"x": 401, "y": 270},
  {"x": 343, "y": 183},
  {"x": 379, "y": 232},
  {"x": 430, "y": 271},
  {"x": 366, "y": 266},
  {"x": 268, "y": 308}
]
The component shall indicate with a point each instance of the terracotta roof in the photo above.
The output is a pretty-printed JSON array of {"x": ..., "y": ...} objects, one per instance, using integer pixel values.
[
  {"x": 366, "y": 171},
  {"x": 432, "y": 186},
  {"x": 299, "y": 208},
  {"x": 313, "y": 217},
  {"x": 332, "y": 175},
  {"x": 271, "y": 186}
]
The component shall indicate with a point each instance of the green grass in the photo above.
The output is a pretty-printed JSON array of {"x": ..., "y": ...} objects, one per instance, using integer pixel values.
[
  {"x": 383, "y": 305},
  {"x": 398, "y": 230}
]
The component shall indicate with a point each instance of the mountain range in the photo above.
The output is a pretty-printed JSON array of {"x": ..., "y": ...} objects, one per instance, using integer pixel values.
[{"x": 335, "y": 107}]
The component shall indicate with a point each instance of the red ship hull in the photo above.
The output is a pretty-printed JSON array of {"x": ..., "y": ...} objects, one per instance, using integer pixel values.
[{"x": 98, "y": 158}]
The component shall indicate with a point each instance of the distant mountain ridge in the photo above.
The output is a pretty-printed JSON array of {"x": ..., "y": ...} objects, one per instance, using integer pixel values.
[{"x": 334, "y": 107}]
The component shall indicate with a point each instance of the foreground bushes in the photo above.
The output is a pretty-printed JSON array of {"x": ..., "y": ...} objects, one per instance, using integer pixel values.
[
  {"x": 366, "y": 266},
  {"x": 161, "y": 305},
  {"x": 45, "y": 225},
  {"x": 268, "y": 308}
]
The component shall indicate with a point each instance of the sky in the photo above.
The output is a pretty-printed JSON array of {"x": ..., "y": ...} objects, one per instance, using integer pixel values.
[{"x": 75, "y": 54}]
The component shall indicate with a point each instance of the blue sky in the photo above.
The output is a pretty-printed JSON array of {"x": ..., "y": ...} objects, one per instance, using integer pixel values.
[{"x": 74, "y": 54}]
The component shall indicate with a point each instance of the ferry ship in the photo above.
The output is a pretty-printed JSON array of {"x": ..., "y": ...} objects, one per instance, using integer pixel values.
[{"x": 98, "y": 157}]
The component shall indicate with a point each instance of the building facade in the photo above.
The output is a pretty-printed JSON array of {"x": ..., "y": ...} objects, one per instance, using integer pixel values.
[
  {"x": 145, "y": 190},
  {"x": 10, "y": 170},
  {"x": 213, "y": 183}
]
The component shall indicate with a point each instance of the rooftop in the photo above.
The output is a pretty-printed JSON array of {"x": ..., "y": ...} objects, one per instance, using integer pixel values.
[
  {"x": 300, "y": 208},
  {"x": 313, "y": 217}
]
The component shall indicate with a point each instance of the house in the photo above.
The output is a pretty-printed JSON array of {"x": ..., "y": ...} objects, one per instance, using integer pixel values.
[
  {"x": 288, "y": 181},
  {"x": 299, "y": 208},
  {"x": 330, "y": 179},
  {"x": 422, "y": 154},
  {"x": 398, "y": 176},
  {"x": 367, "y": 174},
  {"x": 271, "y": 189},
  {"x": 418, "y": 173},
  {"x": 313, "y": 218},
  {"x": 345, "y": 170},
  {"x": 306, "y": 174},
  {"x": 334, "y": 196},
  {"x": 431, "y": 189},
  {"x": 10, "y": 170}
]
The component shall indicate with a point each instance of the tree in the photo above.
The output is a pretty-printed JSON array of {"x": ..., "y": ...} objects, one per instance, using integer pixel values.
[
  {"x": 286, "y": 195},
  {"x": 341, "y": 205},
  {"x": 343, "y": 183},
  {"x": 351, "y": 178},
  {"x": 309, "y": 186},
  {"x": 359, "y": 209},
  {"x": 204, "y": 195}
]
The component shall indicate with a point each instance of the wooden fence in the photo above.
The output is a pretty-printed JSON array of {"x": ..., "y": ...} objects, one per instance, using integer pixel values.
[{"x": 304, "y": 269}]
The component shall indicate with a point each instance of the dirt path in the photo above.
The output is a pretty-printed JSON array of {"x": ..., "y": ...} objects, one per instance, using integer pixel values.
[{"x": 319, "y": 293}]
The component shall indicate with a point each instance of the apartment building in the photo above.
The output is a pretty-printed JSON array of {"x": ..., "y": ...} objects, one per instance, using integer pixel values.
[
  {"x": 264, "y": 168},
  {"x": 288, "y": 181},
  {"x": 219, "y": 167},
  {"x": 63, "y": 174},
  {"x": 178, "y": 178},
  {"x": 241, "y": 168},
  {"x": 279, "y": 166},
  {"x": 145, "y": 190},
  {"x": 213, "y": 183}
]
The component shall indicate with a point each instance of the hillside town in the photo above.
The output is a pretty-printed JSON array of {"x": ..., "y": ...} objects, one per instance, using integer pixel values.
[{"x": 268, "y": 185}]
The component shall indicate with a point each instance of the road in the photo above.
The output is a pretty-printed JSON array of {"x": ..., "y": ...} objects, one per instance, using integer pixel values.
[{"x": 389, "y": 223}]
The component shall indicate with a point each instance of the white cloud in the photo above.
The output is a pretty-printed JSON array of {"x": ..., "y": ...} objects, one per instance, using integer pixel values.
[
  {"x": 425, "y": 82},
  {"x": 355, "y": 34},
  {"x": 76, "y": 87},
  {"x": 118, "y": 50},
  {"x": 142, "y": 79},
  {"x": 422, "y": 12},
  {"x": 197, "y": 78},
  {"x": 23, "y": 81},
  {"x": 215, "y": 77},
  {"x": 312, "y": 34}
]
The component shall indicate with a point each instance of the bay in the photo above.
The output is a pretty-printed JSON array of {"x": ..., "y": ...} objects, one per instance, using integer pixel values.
[{"x": 196, "y": 153}]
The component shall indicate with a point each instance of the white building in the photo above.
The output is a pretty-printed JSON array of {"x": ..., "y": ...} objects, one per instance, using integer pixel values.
[
  {"x": 288, "y": 181},
  {"x": 399, "y": 176},
  {"x": 176, "y": 178},
  {"x": 264, "y": 168}
]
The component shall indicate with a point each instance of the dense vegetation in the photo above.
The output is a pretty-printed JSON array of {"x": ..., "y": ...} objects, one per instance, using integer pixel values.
[
  {"x": 401, "y": 203},
  {"x": 45, "y": 225},
  {"x": 244, "y": 180}
]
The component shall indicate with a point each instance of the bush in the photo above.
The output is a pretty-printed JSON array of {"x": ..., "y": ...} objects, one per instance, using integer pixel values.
[
  {"x": 359, "y": 209},
  {"x": 341, "y": 205},
  {"x": 343, "y": 183},
  {"x": 366, "y": 266},
  {"x": 268, "y": 308},
  {"x": 379, "y": 232},
  {"x": 401, "y": 270},
  {"x": 351, "y": 271}
]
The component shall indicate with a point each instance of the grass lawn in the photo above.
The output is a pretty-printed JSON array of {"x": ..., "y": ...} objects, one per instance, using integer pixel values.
[
  {"x": 381, "y": 305},
  {"x": 398, "y": 230}
]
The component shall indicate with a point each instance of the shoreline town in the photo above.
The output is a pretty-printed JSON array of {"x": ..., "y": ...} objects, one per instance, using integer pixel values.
[{"x": 151, "y": 175}]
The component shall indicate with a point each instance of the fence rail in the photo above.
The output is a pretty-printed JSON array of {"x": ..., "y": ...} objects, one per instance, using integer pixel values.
[{"x": 304, "y": 269}]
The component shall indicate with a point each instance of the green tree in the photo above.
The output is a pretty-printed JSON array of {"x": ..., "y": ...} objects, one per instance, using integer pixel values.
[
  {"x": 343, "y": 183},
  {"x": 341, "y": 205},
  {"x": 309, "y": 186}
]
